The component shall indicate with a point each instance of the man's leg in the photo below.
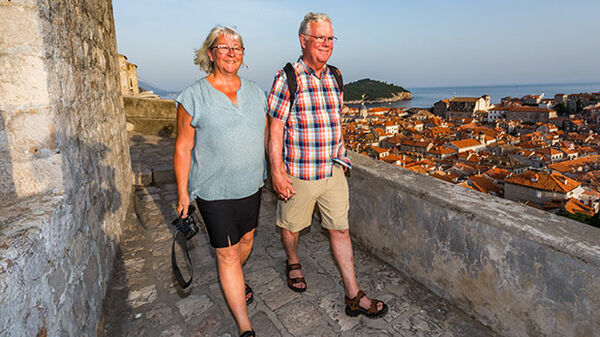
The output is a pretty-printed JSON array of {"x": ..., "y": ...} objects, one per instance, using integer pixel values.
[
  {"x": 290, "y": 245},
  {"x": 294, "y": 215},
  {"x": 334, "y": 205},
  {"x": 341, "y": 247}
]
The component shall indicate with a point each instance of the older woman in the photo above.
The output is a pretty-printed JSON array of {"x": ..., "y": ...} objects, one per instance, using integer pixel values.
[{"x": 219, "y": 160}]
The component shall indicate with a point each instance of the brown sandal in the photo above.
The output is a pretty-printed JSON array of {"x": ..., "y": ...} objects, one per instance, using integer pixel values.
[
  {"x": 292, "y": 281},
  {"x": 353, "y": 307}
]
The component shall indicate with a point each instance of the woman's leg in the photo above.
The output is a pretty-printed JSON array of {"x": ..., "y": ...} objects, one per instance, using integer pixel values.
[
  {"x": 246, "y": 243},
  {"x": 232, "y": 282}
]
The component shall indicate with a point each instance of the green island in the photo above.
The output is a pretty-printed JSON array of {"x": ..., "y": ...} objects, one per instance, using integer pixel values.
[{"x": 373, "y": 91}]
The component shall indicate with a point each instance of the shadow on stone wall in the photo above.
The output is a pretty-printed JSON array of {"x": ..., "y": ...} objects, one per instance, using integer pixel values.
[
  {"x": 59, "y": 242},
  {"x": 7, "y": 186}
]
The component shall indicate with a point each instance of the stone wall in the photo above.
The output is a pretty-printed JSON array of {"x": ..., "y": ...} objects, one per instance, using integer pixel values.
[
  {"x": 65, "y": 172},
  {"x": 151, "y": 116},
  {"x": 522, "y": 271}
]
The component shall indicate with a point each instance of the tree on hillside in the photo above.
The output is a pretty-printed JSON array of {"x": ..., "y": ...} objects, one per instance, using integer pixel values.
[{"x": 372, "y": 89}]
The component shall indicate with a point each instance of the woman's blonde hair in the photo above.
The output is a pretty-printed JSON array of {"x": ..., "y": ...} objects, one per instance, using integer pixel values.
[{"x": 202, "y": 58}]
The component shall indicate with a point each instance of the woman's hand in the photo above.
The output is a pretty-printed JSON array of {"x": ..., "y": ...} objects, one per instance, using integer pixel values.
[{"x": 183, "y": 204}]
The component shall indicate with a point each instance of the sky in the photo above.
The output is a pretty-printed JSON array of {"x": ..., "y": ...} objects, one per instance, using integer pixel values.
[{"x": 420, "y": 43}]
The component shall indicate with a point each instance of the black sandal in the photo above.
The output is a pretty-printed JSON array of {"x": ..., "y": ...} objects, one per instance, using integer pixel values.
[
  {"x": 249, "y": 333},
  {"x": 249, "y": 291},
  {"x": 353, "y": 307},
  {"x": 295, "y": 280}
]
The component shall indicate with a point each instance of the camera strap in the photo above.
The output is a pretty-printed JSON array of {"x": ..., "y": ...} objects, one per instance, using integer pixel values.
[{"x": 182, "y": 242}]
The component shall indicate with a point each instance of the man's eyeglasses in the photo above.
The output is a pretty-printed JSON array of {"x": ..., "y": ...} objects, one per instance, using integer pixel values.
[
  {"x": 224, "y": 49},
  {"x": 322, "y": 38}
]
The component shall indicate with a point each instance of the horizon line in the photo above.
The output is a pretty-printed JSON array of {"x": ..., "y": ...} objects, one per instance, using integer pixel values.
[{"x": 503, "y": 85}]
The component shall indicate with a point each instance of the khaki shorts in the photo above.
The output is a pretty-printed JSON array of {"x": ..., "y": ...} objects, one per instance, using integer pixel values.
[{"x": 331, "y": 194}]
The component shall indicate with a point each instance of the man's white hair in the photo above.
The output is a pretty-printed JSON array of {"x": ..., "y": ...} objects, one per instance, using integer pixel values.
[
  {"x": 312, "y": 17},
  {"x": 201, "y": 58}
]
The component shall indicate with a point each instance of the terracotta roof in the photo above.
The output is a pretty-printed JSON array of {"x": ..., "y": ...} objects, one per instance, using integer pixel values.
[
  {"x": 379, "y": 132},
  {"x": 497, "y": 173},
  {"x": 485, "y": 185},
  {"x": 418, "y": 169},
  {"x": 573, "y": 164},
  {"x": 464, "y": 184},
  {"x": 575, "y": 206},
  {"x": 441, "y": 176},
  {"x": 391, "y": 158},
  {"x": 549, "y": 151},
  {"x": 465, "y": 99},
  {"x": 440, "y": 150},
  {"x": 410, "y": 142},
  {"x": 520, "y": 109},
  {"x": 465, "y": 143},
  {"x": 554, "y": 182},
  {"x": 592, "y": 193},
  {"x": 378, "y": 149},
  {"x": 437, "y": 131}
]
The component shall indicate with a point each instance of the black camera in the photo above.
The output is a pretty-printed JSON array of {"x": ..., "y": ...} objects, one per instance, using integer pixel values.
[{"x": 187, "y": 227}]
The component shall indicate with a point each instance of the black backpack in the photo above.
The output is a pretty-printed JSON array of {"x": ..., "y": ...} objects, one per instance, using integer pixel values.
[{"x": 293, "y": 83}]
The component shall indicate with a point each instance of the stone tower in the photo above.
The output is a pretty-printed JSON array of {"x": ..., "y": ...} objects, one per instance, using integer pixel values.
[{"x": 128, "y": 76}]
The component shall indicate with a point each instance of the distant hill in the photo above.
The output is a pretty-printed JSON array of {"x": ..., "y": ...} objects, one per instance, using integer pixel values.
[
  {"x": 160, "y": 92},
  {"x": 374, "y": 91}
]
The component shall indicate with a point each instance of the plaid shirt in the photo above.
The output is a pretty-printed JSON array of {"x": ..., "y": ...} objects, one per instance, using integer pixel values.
[{"x": 312, "y": 136}]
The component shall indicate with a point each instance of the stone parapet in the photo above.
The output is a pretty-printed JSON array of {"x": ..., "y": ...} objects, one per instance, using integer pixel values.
[
  {"x": 151, "y": 116},
  {"x": 519, "y": 270}
]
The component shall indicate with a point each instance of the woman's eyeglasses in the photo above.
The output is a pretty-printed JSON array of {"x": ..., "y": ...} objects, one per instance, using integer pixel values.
[{"x": 224, "y": 49}]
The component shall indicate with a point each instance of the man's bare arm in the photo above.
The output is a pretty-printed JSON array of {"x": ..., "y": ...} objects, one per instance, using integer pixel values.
[{"x": 281, "y": 180}]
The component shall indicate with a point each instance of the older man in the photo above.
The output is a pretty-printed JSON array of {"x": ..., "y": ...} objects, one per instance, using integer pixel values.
[{"x": 308, "y": 159}]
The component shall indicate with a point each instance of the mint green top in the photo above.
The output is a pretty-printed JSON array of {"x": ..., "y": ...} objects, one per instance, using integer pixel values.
[{"x": 228, "y": 156}]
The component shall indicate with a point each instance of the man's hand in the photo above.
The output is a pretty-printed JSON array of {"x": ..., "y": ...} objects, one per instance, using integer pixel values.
[{"x": 282, "y": 184}]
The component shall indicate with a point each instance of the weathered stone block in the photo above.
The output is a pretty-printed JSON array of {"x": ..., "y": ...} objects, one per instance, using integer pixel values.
[
  {"x": 24, "y": 36},
  {"x": 24, "y": 83},
  {"x": 143, "y": 296},
  {"x": 301, "y": 318},
  {"x": 193, "y": 306}
]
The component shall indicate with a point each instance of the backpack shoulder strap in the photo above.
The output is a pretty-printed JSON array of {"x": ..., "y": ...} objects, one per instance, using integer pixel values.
[
  {"x": 338, "y": 76},
  {"x": 290, "y": 74}
]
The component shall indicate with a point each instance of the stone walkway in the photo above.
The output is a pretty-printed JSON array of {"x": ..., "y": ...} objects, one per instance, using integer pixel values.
[{"x": 143, "y": 299}]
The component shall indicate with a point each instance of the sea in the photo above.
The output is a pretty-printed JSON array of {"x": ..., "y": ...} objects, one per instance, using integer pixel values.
[{"x": 426, "y": 97}]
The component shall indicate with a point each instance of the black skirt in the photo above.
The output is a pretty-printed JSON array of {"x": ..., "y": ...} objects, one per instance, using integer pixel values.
[{"x": 228, "y": 220}]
